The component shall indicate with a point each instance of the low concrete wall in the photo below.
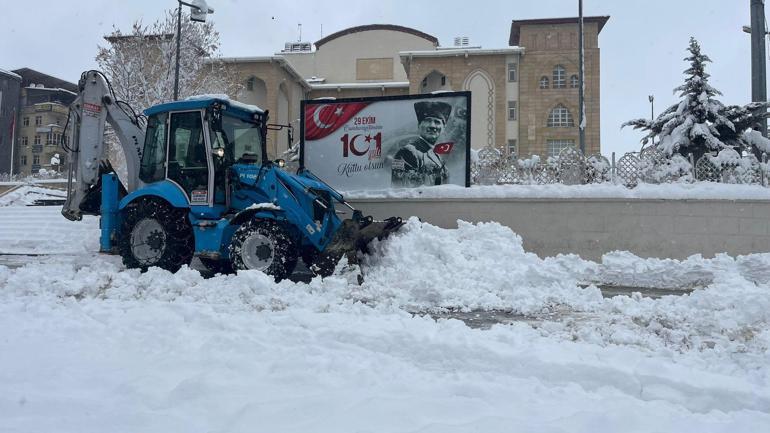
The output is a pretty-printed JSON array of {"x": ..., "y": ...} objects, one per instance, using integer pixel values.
[{"x": 592, "y": 227}]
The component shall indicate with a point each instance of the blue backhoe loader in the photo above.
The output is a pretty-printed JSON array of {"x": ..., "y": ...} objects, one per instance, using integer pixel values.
[{"x": 198, "y": 183}]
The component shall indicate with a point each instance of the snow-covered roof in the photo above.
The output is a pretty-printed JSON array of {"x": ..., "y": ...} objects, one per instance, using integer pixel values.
[
  {"x": 10, "y": 74},
  {"x": 464, "y": 51},
  {"x": 51, "y": 89},
  {"x": 366, "y": 85},
  {"x": 262, "y": 59}
]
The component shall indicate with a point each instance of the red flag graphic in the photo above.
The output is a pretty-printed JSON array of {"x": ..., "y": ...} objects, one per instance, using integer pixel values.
[
  {"x": 443, "y": 148},
  {"x": 323, "y": 119}
]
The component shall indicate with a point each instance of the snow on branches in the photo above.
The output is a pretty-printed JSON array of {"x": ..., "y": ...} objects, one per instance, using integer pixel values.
[
  {"x": 141, "y": 64},
  {"x": 700, "y": 123}
]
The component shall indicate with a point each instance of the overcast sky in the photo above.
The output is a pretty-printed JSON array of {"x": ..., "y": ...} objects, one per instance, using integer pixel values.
[{"x": 642, "y": 45}]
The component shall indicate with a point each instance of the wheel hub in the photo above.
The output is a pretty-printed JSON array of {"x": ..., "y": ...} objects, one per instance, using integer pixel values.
[
  {"x": 258, "y": 252},
  {"x": 148, "y": 241}
]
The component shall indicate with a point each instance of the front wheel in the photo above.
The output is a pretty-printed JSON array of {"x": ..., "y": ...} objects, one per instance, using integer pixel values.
[
  {"x": 153, "y": 233},
  {"x": 265, "y": 246}
]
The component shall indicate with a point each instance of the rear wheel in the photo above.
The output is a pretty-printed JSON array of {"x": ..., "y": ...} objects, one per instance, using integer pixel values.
[
  {"x": 153, "y": 233},
  {"x": 265, "y": 246}
]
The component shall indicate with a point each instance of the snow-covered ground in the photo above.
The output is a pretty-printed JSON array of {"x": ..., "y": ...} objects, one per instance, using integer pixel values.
[{"x": 87, "y": 345}]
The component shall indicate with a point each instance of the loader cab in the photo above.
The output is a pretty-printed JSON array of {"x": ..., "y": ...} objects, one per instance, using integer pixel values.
[{"x": 192, "y": 143}]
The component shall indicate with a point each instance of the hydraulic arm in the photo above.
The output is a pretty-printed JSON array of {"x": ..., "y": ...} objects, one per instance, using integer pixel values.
[{"x": 96, "y": 106}]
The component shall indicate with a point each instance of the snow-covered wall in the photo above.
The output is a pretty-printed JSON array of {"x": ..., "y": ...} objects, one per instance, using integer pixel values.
[{"x": 592, "y": 227}]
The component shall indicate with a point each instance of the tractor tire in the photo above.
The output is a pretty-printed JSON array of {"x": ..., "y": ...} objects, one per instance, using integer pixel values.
[
  {"x": 265, "y": 246},
  {"x": 153, "y": 233},
  {"x": 223, "y": 266}
]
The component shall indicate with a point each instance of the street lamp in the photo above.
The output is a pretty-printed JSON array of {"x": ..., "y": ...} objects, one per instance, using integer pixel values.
[
  {"x": 651, "y": 98},
  {"x": 198, "y": 11}
]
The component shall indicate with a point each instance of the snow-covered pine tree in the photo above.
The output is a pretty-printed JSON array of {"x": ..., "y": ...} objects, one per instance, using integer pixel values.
[{"x": 700, "y": 123}]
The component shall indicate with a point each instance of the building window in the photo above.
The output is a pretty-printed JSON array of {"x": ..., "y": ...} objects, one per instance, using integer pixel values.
[
  {"x": 555, "y": 147},
  {"x": 38, "y": 120},
  {"x": 37, "y": 139},
  {"x": 574, "y": 81},
  {"x": 35, "y": 159},
  {"x": 425, "y": 82},
  {"x": 23, "y": 159},
  {"x": 443, "y": 80},
  {"x": 512, "y": 73},
  {"x": 559, "y": 77},
  {"x": 25, "y": 121},
  {"x": 543, "y": 82},
  {"x": 513, "y": 148},
  {"x": 511, "y": 110},
  {"x": 250, "y": 84},
  {"x": 24, "y": 141},
  {"x": 560, "y": 117}
]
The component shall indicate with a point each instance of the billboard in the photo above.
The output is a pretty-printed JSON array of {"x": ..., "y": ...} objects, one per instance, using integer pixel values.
[{"x": 388, "y": 142}]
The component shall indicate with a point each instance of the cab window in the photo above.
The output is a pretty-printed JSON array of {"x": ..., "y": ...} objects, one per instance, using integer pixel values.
[
  {"x": 153, "y": 165},
  {"x": 242, "y": 140},
  {"x": 187, "y": 162}
]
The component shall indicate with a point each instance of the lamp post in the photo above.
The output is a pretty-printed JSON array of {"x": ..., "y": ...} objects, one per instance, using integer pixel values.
[
  {"x": 581, "y": 78},
  {"x": 198, "y": 11},
  {"x": 651, "y": 98},
  {"x": 758, "y": 31}
]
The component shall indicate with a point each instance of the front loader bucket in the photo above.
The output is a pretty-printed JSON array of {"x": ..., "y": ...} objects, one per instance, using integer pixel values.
[{"x": 353, "y": 236}]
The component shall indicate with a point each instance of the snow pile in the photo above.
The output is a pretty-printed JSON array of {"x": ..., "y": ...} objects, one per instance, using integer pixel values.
[
  {"x": 480, "y": 266},
  {"x": 424, "y": 268},
  {"x": 224, "y": 98}
]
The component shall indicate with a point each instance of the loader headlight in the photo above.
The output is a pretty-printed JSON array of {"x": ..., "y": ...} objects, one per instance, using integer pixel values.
[{"x": 220, "y": 152}]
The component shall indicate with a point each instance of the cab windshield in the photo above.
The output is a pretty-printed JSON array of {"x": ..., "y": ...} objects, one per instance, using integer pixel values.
[{"x": 241, "y": 140}]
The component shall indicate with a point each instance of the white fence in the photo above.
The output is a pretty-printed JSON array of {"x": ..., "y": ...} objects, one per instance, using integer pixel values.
[{"x": 650, "y": 165}]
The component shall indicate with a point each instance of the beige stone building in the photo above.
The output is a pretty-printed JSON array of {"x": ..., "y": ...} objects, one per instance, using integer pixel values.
[
  {"x": 548, "y": 84},
  {"x": 524, "y": 97}
]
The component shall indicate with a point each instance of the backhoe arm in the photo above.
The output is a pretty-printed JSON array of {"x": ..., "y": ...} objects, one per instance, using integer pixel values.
[{"x": 94, "y": 107}]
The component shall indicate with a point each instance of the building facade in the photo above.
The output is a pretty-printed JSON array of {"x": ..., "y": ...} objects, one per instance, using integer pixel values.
[
  {"x": 10, "y": 86},
  {"x": 272, "y": 84},
  {"x": 42, "y": 115},
  {"x": 548, "y": 84},
  {"x": 524, "y": 97}
]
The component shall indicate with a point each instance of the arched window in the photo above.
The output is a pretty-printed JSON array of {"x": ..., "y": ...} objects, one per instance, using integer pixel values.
[
  {"x": 560, "y": 117},
  {"x": 574, "y": 82},
  {"x": 250, "y": 84},
  {"x": 559, "y": 77},
  {"x": 544, "y": 82}
]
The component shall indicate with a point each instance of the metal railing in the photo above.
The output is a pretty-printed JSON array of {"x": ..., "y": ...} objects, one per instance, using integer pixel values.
[{"x": 651, "y": 166}]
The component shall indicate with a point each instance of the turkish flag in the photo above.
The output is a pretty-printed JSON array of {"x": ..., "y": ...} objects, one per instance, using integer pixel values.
[
  {"x": 443, "y": 148},
  {"x": 325, "y": 118}
]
